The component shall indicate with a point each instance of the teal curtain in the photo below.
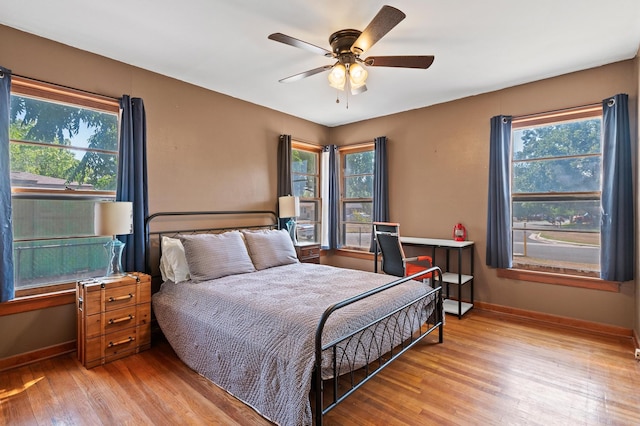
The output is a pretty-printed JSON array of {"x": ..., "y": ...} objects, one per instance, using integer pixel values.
[
  {"x": 6, "y": 229},
  {"x": 132, "y": 179},
  {"x": 499, "y": 248},
  {"x": 617, "y": 231}
]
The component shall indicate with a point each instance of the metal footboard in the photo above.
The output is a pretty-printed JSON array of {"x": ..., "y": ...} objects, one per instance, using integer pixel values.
[{"x": 421, "y": 316}]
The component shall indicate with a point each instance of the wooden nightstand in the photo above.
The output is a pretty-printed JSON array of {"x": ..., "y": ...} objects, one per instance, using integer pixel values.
[
  {"x": 308, "y": 252},
  {"x": 114, "y": 318}
]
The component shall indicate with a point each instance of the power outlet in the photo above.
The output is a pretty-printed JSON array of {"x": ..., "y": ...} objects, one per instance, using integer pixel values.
[{"x": 638, "y": 354}]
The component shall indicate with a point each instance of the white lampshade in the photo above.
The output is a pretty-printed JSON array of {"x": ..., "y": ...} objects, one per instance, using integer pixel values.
[
  {"x": 337, "y": 76},
  {"x": 289, "y": 206},
  {"x": 113, "y": 218},
  {"x": 358, "y": 74}
]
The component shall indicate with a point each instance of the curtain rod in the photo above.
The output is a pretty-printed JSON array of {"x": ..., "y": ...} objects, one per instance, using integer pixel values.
[
  {"x": 66, "y": 87},
  {"x": 555, "y": 111}
]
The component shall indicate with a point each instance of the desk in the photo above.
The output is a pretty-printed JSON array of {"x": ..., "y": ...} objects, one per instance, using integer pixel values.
[{"x": 456, "y": 307}]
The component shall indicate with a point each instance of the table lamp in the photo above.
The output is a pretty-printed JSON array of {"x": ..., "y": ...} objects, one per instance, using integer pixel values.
[
  {"x": 289, "y": 207},
  {"x": 114, "y": 218}
]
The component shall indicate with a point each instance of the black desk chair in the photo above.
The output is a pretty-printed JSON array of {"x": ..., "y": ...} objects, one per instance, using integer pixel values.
[{"x": 394, "y": 262}]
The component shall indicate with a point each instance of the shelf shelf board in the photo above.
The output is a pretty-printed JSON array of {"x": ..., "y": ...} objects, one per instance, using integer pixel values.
[
  {"x": 451, "y": 307},
  {"x": 452, "y": 278}
]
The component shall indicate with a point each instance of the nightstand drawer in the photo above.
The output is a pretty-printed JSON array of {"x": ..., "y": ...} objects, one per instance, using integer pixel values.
[
  {"x": 120, "y": 341},
  {"x": 107, "y": 322},
  {"x": 117, "y": 298},
  {"x": 311, "y": 251},
  {"x": 98, "y": 296},
  {"x": 308, "y": 253}
]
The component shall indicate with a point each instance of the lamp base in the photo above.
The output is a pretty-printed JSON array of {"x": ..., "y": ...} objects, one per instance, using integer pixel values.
[
  {"x": 114, "y": 251},
  {"x": 291, "y": 227}
]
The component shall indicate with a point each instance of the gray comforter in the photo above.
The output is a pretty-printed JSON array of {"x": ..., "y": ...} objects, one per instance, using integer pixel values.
[{"x": 253, "y": 334}]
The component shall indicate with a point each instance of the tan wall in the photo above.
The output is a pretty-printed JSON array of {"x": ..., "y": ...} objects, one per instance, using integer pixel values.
[
  {"x": 210, "y": 151},
  {"x": 206, "y": 151},
  {"x": 438, "y": 175}
]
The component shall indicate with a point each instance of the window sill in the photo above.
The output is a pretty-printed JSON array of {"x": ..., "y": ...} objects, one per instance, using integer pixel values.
[
  {"x": 36, "y": 302},
  {"x": 358, "y": 254},
  {"x": 559, "y": 279}
]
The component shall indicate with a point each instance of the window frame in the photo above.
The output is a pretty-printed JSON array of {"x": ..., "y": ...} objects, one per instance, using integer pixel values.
[
  {"x": 317, "y": 200},
  {"x": 55, "y": 293},
  {"x": 555, "y": 277},
  {"x": 343, "y": 152}
]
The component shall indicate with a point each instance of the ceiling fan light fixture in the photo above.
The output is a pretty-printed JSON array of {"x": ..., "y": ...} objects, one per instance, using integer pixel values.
[
  {"x": 357, "y": 74},
  {"x": 337, "y": 76},
  {"x": 356, "y": 90}
]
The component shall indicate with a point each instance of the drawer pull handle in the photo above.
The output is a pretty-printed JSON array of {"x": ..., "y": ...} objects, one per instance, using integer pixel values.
[
  {"x": 117, "y": 320},
  {"x": 115, "y": 299},
  {"x": 122, "y": 342}
]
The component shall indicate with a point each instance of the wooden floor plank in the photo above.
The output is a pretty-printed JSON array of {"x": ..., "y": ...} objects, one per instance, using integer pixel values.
[{"x": 491, "y": 369}]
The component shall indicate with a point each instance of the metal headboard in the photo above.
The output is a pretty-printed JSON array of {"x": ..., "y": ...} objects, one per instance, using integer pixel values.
[{"x": 170, "y": 230}]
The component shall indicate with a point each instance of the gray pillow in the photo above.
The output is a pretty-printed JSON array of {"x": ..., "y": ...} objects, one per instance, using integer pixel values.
[
  {"x": 270, "y": 248},
  {"x": 212, "y": 256}
]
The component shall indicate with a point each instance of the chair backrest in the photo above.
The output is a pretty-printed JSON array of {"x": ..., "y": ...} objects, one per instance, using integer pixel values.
[{"x": 387, "y": 236}]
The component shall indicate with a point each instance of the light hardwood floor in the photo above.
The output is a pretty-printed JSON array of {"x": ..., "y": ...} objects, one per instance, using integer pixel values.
[{"x": 492, "y": 369}]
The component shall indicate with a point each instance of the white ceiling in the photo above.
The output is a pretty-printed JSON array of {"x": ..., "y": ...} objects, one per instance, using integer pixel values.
[{"x": 479, "y": 46}]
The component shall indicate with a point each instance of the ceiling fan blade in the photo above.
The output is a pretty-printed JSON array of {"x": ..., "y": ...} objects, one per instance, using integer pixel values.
[
  {"x": 283, "y": 38},
  {"x": 423, "y": 62},
  {"x": 305, "y": 74},
  {"x": 387, "y": 18}
]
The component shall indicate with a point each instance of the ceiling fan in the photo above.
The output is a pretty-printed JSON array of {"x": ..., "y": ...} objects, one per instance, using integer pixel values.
[{"x": 349, "y": 70}]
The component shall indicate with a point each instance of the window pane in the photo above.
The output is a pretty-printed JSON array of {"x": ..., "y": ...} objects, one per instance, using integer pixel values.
[
  {"x": 557, "y": 140},
  {"x": 304, "y": 186},
  {"x": 309, "y": 210},
  {"x": 308, "y": 227},
  {"x": 50, "y": 122},
  {"x": 359, "y": 163},
  {"x": 357, "y": 235},
  {"x": 580, "y": 174},
  {"x": 358, "y": 187},
  {"x": 42, "y": 218},
  {"x": 54, "y": 261},
  {"x": 358, "y": 212},
  {"x": 304, "y": 162},
  {"x": 557, "y": 236},
  {"x": 54, "y": 168},
  {"x": 583, "y": 215},
  {"x": 64, "y": 127},
  {"x": 307, "y": 232}
]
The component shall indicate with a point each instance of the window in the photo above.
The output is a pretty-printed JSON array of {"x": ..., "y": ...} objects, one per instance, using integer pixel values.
[
  {"x": 305, "y": 177},
  {"x": 555, "y": 192},
  {"x": 356, "y": 197},
  {"x": 64, "y": 151}
]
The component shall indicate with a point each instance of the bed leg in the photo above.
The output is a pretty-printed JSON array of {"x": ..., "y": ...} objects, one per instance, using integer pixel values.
[{"x": 441, "y": 314}]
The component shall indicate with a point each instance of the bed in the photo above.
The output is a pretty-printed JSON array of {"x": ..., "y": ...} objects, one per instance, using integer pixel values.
[{"x": 245, "y": 314}]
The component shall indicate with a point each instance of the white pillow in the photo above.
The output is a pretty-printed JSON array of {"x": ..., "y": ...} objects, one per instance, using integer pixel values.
[
  {"x": 173, "y": 263},
  {"x": 270, "y": 248},
  {"x": 212, "y": 256}
]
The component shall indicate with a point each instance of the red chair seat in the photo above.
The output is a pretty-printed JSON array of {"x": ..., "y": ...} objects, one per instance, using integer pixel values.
[{"x": 414, "y": 268}]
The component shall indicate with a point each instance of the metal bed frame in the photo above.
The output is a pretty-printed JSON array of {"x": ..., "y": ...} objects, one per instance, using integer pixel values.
[{"x": 378, "y": 354}]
